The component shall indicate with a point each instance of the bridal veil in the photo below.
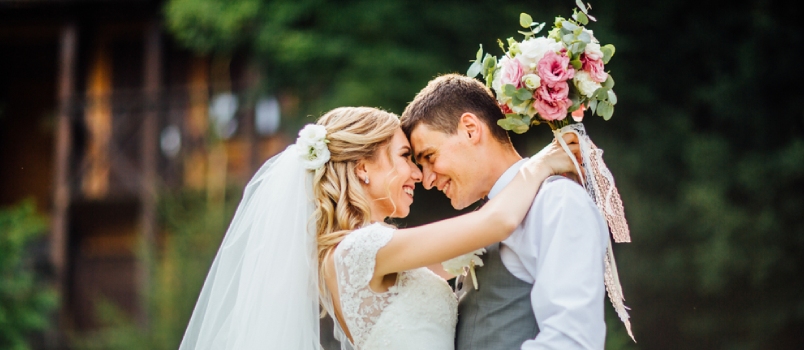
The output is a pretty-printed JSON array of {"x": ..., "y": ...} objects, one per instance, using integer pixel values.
[{"x": 262, "y": 289}]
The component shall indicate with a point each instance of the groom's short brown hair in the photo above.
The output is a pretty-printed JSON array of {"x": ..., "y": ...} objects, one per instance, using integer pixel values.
[{"x": 442, "y": 102}]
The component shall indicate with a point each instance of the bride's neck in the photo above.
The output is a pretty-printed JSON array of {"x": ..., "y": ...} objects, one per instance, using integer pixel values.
[{"x": 377, "y": 215}]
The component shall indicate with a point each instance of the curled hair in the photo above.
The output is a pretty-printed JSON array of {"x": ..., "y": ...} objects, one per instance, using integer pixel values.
[{"x": 341, "y": 206}]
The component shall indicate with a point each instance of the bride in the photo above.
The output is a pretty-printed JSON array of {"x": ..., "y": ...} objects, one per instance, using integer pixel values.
[{"x": 310, "y": 232}]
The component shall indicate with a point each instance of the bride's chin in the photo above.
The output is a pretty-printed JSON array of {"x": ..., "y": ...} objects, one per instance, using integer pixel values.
[{"x": 401, "y": 214}]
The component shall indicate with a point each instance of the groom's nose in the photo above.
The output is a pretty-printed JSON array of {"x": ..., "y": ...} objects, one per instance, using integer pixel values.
[{"x": 428, "y": 178}]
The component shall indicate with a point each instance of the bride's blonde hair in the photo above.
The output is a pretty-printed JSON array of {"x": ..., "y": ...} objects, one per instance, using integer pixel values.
[{"x": 341, "y": 206}]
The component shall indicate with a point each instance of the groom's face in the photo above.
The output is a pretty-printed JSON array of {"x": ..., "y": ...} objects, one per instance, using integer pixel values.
[{"x": 447, "y": 164}]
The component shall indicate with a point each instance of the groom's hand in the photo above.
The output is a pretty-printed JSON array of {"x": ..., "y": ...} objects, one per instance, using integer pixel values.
[{"x": 572, "y": 139}]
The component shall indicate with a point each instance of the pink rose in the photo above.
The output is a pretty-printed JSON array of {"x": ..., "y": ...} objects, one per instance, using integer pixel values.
[
  {"x": 554, "y": 68},
  {"x": 552, "y": 102},
  {"x": 512, "y": 73},
  {"x": 595, "y": 69},
  {"x": 557, "y": 92}
]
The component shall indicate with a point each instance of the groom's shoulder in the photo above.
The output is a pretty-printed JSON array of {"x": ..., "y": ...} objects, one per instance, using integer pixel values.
[
  {"x": 560, "y": 189},
  {"x": 558, "y": 183}
]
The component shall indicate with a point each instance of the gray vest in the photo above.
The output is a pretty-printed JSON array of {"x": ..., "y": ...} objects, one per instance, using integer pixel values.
[{"x": 499, "y": 314}]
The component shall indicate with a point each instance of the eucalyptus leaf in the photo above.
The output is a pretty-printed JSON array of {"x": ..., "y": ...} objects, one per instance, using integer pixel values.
[
  {"x": 505, "y": 124},
  {"x": 524, "y": 94},
  {"x": 581, "y": 18},
  {"x": 578, "y": 47},
  {"x": 525, "y": 20},
  {"x": 601, "y": 94},
  {"x": 605, "y": 110},
  {"x": 576, "y": 63},
  {"x": 568, "y": 26},
  {"x": 538, "y": 28},
  {"x": 612, "y": 97},
  {"x": 593, "y": 106},
  {"x": 509, "y": 90},
  {"x": 609, "y": 83},
  {"x": 480, "y": 52},
  {"x": 474, "y": 69},
  {"x": 608, "y": 51},
  {"x": 489, "y": 62},
  {"x": 585, "y": 37},
  {"x": 515, "y": 100},
  {"x": 581, "y": 6},
  {"x": 568, "y": 39},
  {"x": 526, "y": 34}
]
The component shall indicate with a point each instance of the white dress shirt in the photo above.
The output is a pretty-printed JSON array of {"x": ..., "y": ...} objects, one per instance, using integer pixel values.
[{"x": 560, "y": 247}]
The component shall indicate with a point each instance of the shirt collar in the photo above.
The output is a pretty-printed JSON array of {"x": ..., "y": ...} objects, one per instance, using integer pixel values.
[{"x": 506, "y": 178}]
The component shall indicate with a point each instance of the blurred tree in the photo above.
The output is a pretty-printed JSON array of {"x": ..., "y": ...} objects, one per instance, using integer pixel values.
[
  {"x": 707, "y": 142},
  {"x": 26, "y": 302}
]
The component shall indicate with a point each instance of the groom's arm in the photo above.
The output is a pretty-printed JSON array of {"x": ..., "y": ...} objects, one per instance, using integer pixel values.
[{"x": 568, "y": 291}]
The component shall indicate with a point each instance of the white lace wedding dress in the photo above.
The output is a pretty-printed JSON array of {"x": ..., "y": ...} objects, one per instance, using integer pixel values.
[{"x": 418, "y": 312}]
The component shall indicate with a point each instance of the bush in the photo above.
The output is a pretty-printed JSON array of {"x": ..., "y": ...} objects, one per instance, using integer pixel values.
[{"x": 26, "y": 301}]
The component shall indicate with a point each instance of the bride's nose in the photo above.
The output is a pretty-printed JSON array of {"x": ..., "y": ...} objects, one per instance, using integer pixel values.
[{"x": 415, "y": 173}]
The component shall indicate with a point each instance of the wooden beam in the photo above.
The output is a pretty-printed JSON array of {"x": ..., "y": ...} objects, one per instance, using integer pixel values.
[
  {"x": 68, "y": 52},
  {"x": 150, "y": 129}
]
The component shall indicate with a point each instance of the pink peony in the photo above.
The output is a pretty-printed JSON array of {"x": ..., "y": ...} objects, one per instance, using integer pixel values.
[
  {"x": 595, "y": 69},
  {"x": 512, "y": 72},
  {"x": 554, "y": 68},
  {"x": 552, "y": 102}
]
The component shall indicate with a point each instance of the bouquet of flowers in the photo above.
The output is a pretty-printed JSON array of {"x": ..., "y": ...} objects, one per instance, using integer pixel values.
[
  {"x": 548, "y": 78},
  {"x": 543, "y": 79}
]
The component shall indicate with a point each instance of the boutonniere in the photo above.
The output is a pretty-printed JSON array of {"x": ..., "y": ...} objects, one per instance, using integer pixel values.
[{"x": 467, "y": 262}]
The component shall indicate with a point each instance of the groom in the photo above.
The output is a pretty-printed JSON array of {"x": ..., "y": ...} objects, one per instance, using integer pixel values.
[{"x": 542, "y": 288}]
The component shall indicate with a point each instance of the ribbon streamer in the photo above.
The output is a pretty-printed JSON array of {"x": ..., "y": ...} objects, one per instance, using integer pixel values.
[{"x": 599, "y": 184}]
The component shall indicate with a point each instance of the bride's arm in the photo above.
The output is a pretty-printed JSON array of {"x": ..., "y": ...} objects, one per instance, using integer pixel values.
[{"x": 442, "y": 240}]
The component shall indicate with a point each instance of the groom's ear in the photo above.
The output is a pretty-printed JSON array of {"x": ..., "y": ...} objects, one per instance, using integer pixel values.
[{"x": 471, "y": 126}]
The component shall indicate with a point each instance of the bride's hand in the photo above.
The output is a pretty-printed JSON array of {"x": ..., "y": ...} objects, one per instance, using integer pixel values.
[{"x": 554, "y": 160}]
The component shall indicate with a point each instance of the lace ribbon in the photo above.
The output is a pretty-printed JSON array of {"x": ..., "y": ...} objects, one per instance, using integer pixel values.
[{"x": 599, "y": 184}]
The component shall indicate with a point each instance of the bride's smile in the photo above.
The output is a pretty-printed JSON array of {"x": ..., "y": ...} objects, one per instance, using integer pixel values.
[{"x": 392, "y": 179}]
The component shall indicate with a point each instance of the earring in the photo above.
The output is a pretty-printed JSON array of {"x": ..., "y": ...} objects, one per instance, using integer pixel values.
[{"x": 367, "y": 180}]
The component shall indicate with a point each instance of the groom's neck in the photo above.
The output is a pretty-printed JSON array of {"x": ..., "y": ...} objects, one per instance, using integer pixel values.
[{"x": 499, "y": 158}]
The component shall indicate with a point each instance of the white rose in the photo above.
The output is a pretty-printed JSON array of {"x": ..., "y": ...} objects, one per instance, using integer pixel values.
[
  {"x": 534, "y": 49},
  {"x": 593, "y": 52},
  {"x": 586, "y": 86},
  {"x": 531, "y": 81},
  {"x": 312, "y": 146}
]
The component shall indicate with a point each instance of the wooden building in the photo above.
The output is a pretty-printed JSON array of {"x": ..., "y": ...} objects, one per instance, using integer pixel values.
[{"x": 99, "y": 111}]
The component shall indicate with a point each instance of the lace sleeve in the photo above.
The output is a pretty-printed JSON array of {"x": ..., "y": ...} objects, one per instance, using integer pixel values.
[{"x": 354, "y": 267}]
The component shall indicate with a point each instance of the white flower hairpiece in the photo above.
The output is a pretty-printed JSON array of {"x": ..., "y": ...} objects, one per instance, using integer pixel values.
[{"x": 312, "y": 146}]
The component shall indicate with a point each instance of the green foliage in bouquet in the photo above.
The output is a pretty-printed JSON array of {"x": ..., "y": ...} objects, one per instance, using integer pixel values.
[
  {"x": 26, "y": 302},
  {"x": 523, "y": 78}
]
